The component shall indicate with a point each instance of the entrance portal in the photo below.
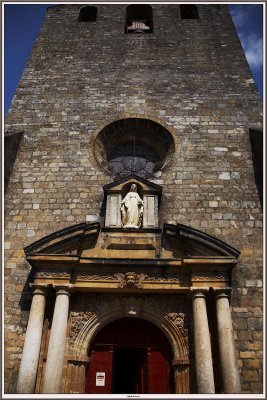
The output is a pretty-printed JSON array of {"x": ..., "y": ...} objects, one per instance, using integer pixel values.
[{"x": 130, "y": 356}]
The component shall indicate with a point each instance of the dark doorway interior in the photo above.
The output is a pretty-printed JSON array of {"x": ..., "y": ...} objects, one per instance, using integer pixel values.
[{"x": 130, "y": 367}]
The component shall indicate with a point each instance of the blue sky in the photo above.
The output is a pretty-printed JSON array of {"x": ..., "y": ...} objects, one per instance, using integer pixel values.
[{"x": 23, "y": 22}]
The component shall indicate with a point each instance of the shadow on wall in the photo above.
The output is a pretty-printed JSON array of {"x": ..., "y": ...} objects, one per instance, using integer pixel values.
[
  {"x": 11, "y": 146},
  {"x": 256, "y": 141}
]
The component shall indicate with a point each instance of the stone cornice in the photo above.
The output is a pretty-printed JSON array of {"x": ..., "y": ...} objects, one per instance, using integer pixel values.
[{"x": 34, "y": 260}]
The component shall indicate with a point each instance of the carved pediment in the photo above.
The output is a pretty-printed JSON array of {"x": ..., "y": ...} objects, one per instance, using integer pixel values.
[
  {"x": 119, "y": 185},
  {"x": 185, "y": 241},
  {"x": 180, "y": 240},
  {"x": 84, "y": 245},
  {"x": 71, "y": 240}
]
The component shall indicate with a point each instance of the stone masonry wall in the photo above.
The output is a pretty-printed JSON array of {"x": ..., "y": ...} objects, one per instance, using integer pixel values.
[{"x": 191, "y": 75}]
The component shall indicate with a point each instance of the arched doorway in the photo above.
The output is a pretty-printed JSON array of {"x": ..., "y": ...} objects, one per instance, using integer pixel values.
[{"x": 130, "y": 356}]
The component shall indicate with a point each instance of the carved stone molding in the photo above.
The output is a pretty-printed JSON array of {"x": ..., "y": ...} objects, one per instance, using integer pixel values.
[
  {"x": 88, "y": 277},
  {"x": 181, "y": 278},
  {"x": 170, "y": 315},
  {"x": 176, "y": 318},
  {"x": 78, "y": 320},
  {"x": 63, "y": 289},
  {"x": 53, "y": 274},
  {"x": 130, "y": 280},
  {"x": 198, "y": 292},
  {"x": 222, "y": 292},
  {"x": 210, "y": 276},
  {"x": 39, "y": 289}
]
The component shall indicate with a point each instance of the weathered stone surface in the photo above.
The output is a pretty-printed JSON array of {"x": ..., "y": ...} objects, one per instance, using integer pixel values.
[
  {"x": 31, "y": 349},
  {"x": 230, "y": 372},
  {"x": 56, "y": 348},
  {"x": 204, "y": 368},
  {"x": 199, "y": 87}
]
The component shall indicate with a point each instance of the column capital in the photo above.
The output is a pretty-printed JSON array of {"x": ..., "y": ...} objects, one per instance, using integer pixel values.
[
  {"x": 222, "y": 292},
  {"x": 39, "y": 289},
  {"x": 198, "y": 292},
  {"x": 63, "y": 289}
]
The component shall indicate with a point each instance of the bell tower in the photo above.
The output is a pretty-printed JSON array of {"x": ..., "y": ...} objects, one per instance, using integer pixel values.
[{"x": 155, "y": 100}]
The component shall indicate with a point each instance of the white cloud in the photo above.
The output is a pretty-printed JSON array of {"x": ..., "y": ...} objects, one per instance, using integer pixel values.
[
  {"x": 253, "y": 47},
  {"x": 239, "y": 16}
]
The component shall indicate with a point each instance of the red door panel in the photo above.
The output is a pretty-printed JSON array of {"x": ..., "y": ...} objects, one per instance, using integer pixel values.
[
  {"x": 158, "y": 371},
  {"x": 100, "y": 361}
]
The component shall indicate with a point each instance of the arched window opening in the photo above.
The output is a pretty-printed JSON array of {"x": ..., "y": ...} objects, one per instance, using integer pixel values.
[
  {"x": 189, "y": 11},
  {"x": 88, "y": 14},
  {"x": 139, "y": 19},
  {"x": 133, "y": 146}
]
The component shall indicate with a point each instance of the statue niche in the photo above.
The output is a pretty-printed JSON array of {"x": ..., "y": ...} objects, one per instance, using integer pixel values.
[
  {"x": 132, "y": 203},
  {"x": 132, "y": 208}
]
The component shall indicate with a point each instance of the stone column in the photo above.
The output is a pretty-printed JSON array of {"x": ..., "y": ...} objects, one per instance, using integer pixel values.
[
  {"x": 31, "y": 350},
  {"x": 203, "y": 357},
  {"x": 229, "y": 368},
  {"x": 56, "y": 347}
]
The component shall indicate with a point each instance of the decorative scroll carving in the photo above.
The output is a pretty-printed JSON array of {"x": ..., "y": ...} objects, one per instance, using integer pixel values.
[
  {"x": 54, "y": 274},
  {"x": 176, "y": 318},
  {"x": 88, "y": 277},
  {"x": 78, "y": 320},
  {"x": 132, "y": 306},
  {"x": 210, "y": 276},
  {"x": 130, "y": 280},
  {"x": 168, "y": 278}
]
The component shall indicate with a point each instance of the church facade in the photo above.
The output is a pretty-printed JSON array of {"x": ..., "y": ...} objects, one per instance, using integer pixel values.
[{"x": 133, "y": 206}]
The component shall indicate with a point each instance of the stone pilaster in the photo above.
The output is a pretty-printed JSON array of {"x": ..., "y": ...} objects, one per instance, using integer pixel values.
[
  {"x": 31, "y": 350},
  {"x": 56, "y": 347},
  {"x": 230, "y": 373},
  {"x": 181, "y": 376},
  {"x": 203, "y": 357}
]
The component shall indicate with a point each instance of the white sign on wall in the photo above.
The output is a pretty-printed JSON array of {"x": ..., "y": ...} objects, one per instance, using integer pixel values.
[{"x": 100, "y": 379}]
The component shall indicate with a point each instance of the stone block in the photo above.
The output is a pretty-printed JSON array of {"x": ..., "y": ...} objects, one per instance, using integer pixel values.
[
  {"x": 255, "y": 345},
  {"x": 240, "y": 323},
  {"x": 244, "y": 335},
  {"x": 253, "y": 364},
  {"x": 251, "y": 376},
  {"x": 255, "y": 324}
]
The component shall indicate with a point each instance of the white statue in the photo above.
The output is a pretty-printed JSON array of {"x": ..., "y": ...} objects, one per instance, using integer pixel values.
[{"x": 132, "y": 209}]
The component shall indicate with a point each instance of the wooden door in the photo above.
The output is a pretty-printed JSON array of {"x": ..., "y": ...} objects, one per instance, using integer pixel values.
[
  {"x": 135, "y": 357},
  {"x": 158, "y": 365},
  {"x": 99, "y": 375}
]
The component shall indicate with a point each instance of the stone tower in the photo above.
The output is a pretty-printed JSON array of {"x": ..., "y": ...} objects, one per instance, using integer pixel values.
[{"x": 157, "y": 103}]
